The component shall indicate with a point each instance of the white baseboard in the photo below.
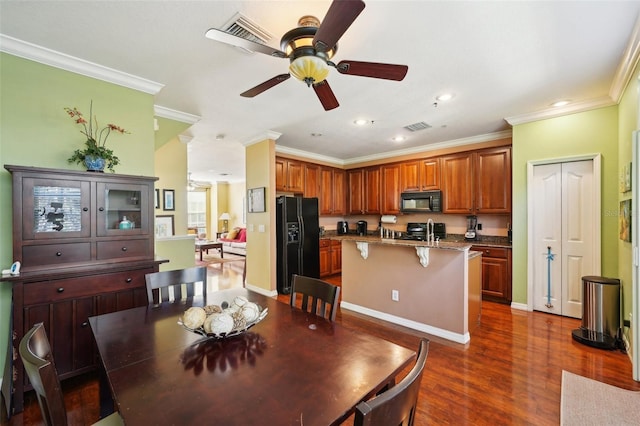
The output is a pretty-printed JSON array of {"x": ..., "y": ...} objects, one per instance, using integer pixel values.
[
  {"x": 519, "y": 306},
  {"x": 435, "y": 331}
]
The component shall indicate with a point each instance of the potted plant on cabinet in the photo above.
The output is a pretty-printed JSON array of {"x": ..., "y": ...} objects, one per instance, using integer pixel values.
[{"x": 95, "y": 156}]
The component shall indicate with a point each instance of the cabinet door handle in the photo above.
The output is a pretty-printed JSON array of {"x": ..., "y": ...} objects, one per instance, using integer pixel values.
[
  {"x": 58, "y": 253},
  {"x": 60, "y": 289},
  {"x": 128, "y": 280},
  {"x": 84, "y": 324},
  {"x": 101, "y": 209},
  {"x": 85, "y": 209},
  {"x": 124, "y": 249}
]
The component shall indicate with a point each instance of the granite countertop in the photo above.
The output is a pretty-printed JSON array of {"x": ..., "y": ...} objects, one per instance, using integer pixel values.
[{"x": 453, "y": 241}]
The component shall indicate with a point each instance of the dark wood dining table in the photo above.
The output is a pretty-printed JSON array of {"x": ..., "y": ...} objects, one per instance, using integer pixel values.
[{"x": 292, "y": 368}]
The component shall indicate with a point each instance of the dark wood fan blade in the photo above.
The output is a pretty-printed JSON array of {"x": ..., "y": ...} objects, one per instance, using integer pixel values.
[
  {"x": 264, "y": 86},
  {"x": 373, "y": 70},
  {"x": 224, "y": 37},
  {"x": 326, "y": 96},
  {"x": 339, "y": 18}
]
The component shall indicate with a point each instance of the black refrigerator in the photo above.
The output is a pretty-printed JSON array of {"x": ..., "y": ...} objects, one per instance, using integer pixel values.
[{"x": 298, "y": 239}]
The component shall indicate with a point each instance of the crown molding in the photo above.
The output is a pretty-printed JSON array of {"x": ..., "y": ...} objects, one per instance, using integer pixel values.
[
  {"x": 572, "y": 108},
  {"x": 627, "y": 65},
  {"x": 33, "y": 52},
  {"x": 172, "y": 114},
  {"x": 269, "y": 134},
  {"x": 432, "y": 147},
  {"x": 312, "y": 156}
]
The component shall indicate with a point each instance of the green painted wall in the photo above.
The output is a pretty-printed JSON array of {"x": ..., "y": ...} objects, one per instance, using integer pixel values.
[
  {"x": 583, "y": 133},
  {"x": 36, "y": 131},
  {"x": 628, "y": 122}
]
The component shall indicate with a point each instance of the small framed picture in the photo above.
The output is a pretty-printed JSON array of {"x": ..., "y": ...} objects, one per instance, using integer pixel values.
[
  {"x": 168, "y": 202},
  {"x": 164, "y": 226},
  {"x": 255, "y": 200},
  {"x": 625, "y": 220},
  {"x": 157, "y": 204}
]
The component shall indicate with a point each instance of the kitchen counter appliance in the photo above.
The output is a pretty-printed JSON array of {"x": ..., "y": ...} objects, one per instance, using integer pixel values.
[
  {"x": 342, "y": 228},
  {"x": 361, "y": 227},
  {"x": 472, "y": 225}
]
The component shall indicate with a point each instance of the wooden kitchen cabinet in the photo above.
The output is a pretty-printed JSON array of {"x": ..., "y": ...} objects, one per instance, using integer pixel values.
[
  {"x": 420, "y": 175},
  {"x": 496, "y": 273},
  {"x": 477, "y": 182},
  {"x": 289, "y": 175},
  {"x": 332, "y": 191},
  {"x": 76, "y": 260},
  {"x": 312, "y": 180},
  {"x": 330, "y": 257},
  {"x": 364, "y": 190},
  {"x": 457, "y": 176},
  {"x": 493, "y": 177},
  {"x": 390, "y": 193}
]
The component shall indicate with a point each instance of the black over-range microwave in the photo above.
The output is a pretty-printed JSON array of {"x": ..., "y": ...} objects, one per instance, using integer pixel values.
[{"x": 421, "y": 202}]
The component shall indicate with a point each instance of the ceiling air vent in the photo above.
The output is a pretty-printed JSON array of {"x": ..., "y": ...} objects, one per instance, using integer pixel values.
[
  {"x": 241, "y": 26},
  {"x": 417, "y": 126}
]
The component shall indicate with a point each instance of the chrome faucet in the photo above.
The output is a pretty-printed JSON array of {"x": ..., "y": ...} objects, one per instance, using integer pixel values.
[{"x": 431, "y": 237}]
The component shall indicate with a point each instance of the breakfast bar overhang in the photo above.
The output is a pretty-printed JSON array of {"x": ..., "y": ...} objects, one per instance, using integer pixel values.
[{"x": 438, "y": 286}]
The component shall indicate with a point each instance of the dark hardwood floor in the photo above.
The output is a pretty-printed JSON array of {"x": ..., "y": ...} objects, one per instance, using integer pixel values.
[{"x": 510, "y": 372}]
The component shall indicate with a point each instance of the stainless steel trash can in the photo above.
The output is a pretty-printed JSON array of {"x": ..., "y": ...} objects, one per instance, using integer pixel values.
[{"x": 600, "y": 313}]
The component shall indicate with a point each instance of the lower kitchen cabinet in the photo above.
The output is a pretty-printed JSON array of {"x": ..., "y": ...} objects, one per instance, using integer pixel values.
[
  {"x": 496, "y": 273},
  {"x": 330, "y": 257}
]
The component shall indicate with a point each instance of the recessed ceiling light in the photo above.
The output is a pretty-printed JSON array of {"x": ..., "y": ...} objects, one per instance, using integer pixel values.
[
  {"x": 398, "y": 139},
  {"x": 316, "y": 135},
  {"x": 560, "y": 103},
  {"x": 361, "y": 122},
  {"x": 444, "y": 97}
]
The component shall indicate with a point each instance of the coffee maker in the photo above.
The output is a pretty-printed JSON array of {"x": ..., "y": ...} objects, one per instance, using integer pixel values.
[
  {"x": 361, "y": 227},
  {"x": 472, "y": 224}
]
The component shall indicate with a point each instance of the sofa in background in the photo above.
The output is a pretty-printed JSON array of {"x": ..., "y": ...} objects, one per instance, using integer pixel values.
[{"x": 234, "y": 241}]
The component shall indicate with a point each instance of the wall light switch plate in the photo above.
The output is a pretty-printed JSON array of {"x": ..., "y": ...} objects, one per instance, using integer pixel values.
[
  {"x": 251, "y": 227},
  {"x": 260, "y": 228}
]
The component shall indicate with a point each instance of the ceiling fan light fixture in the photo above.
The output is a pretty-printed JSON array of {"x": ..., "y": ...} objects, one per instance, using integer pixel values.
[{"x": 309, "y": 69}]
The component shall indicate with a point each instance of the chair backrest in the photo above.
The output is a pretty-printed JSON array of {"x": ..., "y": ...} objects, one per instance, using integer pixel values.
[
  {"x": 158, "y": 283},
  {"x": 396, "y": 406},
  {"x": 37, "y": 359},
  {"x": 321, "y": 294}
]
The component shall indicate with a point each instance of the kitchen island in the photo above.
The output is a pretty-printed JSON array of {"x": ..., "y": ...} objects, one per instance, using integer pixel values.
[{"x": 437, "y": 286}]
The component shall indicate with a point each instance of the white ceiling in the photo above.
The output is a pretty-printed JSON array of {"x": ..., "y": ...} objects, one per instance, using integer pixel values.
[{"x": 501, "y": 60}]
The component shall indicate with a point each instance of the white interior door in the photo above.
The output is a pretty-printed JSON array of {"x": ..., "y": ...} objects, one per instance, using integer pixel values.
[{"x": 564, "y": 234}]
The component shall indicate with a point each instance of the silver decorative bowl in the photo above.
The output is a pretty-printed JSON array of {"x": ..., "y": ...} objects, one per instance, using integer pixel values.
[{"x": 233, "y": 332}]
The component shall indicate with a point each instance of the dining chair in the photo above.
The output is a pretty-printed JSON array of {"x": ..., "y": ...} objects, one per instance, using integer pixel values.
[
  {"x": 397, "y": 405},
  {"x": 159, "y": 283},
  {"x": 322, "y": 294},
  {"x": 37, "y": 359}
]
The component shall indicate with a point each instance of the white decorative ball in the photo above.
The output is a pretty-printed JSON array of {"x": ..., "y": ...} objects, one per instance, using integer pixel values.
[
  {"x": 194, "y": 317},
  {"x": 250, "y": 311},
  {"x": 218, "y": 323},
  {"x": 240, "y": 301}
]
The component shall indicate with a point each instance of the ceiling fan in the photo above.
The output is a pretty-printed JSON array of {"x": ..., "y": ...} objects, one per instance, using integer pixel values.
[{"x": 310, "y": 47}]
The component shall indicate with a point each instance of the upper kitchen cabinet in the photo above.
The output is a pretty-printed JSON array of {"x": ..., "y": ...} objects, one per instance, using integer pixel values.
[
  {"x": 312, "y": 180},
  {"x": 477, "y": 182},
  {"x": 390, "y": 193},
  {"x": 420, "y": 175},
  {"x": 289, "y": 175},
  {"x": 332, "y": 191},
  {"x": 364, "y": 190},
  {"x": 493, "y": 170}
]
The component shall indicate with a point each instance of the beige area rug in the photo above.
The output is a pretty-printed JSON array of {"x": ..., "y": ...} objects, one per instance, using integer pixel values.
[
  {"x": 588, "y": 402},
  {"x": 213, "y": 258}
]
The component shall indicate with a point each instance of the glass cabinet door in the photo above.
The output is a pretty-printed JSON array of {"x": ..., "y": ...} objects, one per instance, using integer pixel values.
[
  {"x": 122, "y": 209},
  {"x": 55, "y": 209}
]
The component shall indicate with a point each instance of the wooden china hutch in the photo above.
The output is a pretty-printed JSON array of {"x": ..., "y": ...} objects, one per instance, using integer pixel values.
[{"x": 79, "y": 257}]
